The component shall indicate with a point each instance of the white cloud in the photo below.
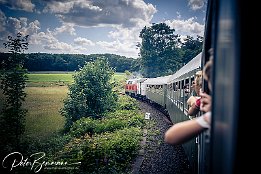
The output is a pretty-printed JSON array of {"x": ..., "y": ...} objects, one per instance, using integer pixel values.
[
  {"x": 14, "y": 25},
  {"x": 51, "y": 44},
  {"x": 25, "y": 5},
  {"x": 196, "y": 4},
  {"x": 42, "y": 38},
  {"x": 65, "y": 28},
  {"x": 119, "y": 48},
  {"x": 62, "y": 47},
  {"x": 46, "y": 40},
  {"x": 83, "y": 42},
  {"x": 187, "y": 27},
  {"x": 58, "y": 7},
  {"x": 125, "y": 41},
  {"x": 125, "y": 34},
  {"x": 103, "y": 12},
  {"x": 34, "y": 27}
]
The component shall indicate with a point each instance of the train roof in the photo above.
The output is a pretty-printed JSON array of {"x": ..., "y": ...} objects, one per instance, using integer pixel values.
[
  {"x": 158, "y": 80},
  {"x": 136, "y": 80},
  {"x": 186, "y": 70}
]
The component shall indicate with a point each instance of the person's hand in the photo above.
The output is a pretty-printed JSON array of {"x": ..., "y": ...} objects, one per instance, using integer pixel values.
[{"x": 205, "y": 102}]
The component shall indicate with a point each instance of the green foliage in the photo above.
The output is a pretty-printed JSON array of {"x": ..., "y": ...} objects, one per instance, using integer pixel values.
[
  {"x": 50, "y": 145},
  {"x": 83, "y": 126},
  {"x": 71, "y": 62},
  {"x": 126, "y": 115},
  {"x": 159, "y": 50},
  {"x": 106, "y": 145},
  {"x": 91, "y": 94},
  {"x": 91, "y": 126},
  {"x": 115, "y": 121},
  {"x": 162, "y": 52},
  {"x": 13, "y": 80},
  {"x": 191, "y": 47},
  {"x": 109, "y": 152},
  {"x": 127, "y": 103},
  {"x": 128, "y": 73}
]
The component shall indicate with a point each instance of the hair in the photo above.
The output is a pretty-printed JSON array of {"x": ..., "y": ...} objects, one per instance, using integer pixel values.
[
  {"x": 208, "y": 66},
  {"x": 198, "y": 78}
]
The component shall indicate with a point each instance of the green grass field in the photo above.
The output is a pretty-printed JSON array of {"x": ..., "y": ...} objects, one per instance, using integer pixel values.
[
  {"x": 45, "y": 79},
  {"x": 119, "y": 76},
  {"x": 59, "y": 78},
  {"x": 43, "y": 105},
  {"x": 45, "y": 94}
]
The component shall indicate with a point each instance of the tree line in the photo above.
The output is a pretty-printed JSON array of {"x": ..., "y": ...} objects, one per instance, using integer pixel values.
[{"x": 71, "y": 62}]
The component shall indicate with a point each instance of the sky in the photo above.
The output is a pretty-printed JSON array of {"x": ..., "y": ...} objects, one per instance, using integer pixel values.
[{"x": 95, "y": 26}]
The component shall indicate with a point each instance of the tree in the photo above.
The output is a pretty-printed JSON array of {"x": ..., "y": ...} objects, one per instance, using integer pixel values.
[
  {"x": 159, "y": 50},
  {"x": 13, "y": 80},
  {"x": 91, "y": 94},
  {"x": 191, "y": 47}
]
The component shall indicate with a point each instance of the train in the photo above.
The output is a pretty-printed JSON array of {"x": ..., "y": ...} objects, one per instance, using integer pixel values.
[
  {"x": 222, "y": 148},
  {"x": 169, "y": 93}
]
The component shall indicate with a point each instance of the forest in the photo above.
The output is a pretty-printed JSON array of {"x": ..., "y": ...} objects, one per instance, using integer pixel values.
[{"x": 71, "y": 62}]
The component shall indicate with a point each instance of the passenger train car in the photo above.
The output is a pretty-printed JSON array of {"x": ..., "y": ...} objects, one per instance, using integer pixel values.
[
  {"x": 223, "y": 148},
  {"x": 170, "y": 93},
  {"x": 156, "y": 89}
]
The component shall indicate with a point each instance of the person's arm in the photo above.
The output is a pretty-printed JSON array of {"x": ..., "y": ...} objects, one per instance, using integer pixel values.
[{"x": 183, "y": 131}]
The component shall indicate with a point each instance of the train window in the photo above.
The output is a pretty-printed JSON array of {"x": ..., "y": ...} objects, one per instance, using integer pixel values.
[{"x": 176, "y": 86}]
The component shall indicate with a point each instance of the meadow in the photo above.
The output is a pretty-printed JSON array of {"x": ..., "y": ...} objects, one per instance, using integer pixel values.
[
  {"x": 45, "y": 94},
  {"x": 47, "y": 79},
  {"x": 43, "y": 104}
]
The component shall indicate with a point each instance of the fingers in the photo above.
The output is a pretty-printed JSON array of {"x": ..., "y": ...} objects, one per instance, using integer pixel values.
[
  {"x": 204, "y": 95},
  {"x": 205, "y": 101}
]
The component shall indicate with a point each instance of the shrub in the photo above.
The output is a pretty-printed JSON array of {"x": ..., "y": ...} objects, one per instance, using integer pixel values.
[
  {"x": 91, "y": 94},
  {"x": 127, "y": 103},
  {"x": 111, "y": 152}
]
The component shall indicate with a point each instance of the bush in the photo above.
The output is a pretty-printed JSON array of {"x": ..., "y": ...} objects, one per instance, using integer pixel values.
[
  {"x": 91, "y": 94},
  {"x": 92, "y": 126},
  {"x": 111, "y": 152},
  {"x": 127, "y": 103}
]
